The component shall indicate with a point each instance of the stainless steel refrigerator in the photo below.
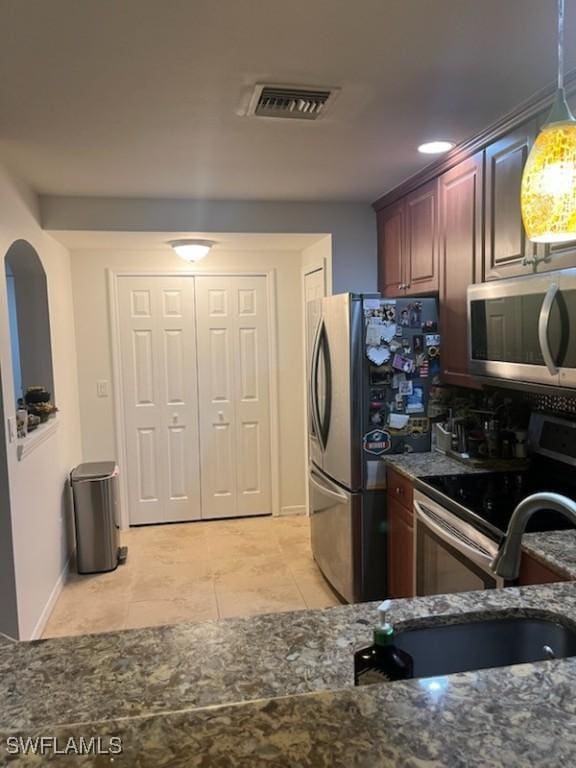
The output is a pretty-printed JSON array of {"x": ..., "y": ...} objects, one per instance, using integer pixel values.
[{"x": 372, "y": 366}]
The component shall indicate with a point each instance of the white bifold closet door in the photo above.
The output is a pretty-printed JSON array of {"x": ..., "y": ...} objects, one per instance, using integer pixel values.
[
  {"x": 160, "y": 398},
  {"x": 234, "y": 397}
]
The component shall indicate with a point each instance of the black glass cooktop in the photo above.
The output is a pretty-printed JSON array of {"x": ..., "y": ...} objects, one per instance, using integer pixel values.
[{"x": 493, "y": 496}]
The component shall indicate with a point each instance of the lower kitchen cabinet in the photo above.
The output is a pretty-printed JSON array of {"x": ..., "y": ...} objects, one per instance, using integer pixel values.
[
  {"x": 400, "y": 537},
  {"x": 400, "y": 551},
  {"x": 532, "y": 571}
]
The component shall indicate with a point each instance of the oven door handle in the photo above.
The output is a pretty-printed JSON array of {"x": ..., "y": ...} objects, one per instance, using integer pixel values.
[
  {"x": 444, "y": 531},
  {"x": 543, "y": 323}
]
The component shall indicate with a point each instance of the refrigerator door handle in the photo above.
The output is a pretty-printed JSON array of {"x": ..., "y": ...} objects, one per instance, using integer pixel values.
[
  {"x": 321, "y": 426},
  {"x": 322, "y": 420},
  {"x": 338, "y": 496},
  {"x": 328, "y": 387},
  {"x": 314, "y": 385}
]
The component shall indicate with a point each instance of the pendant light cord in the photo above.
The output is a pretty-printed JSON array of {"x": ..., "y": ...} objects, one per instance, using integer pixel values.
[{"x": 560, "y": 44}]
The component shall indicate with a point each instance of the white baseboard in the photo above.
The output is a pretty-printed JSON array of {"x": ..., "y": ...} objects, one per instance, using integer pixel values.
[
  {"x": 298, "y": 509},
  {"x": 51, "y": 602}
]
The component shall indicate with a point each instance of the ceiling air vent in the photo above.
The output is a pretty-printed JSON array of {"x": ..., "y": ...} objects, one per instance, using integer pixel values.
[{"x": 290, "y": 102}]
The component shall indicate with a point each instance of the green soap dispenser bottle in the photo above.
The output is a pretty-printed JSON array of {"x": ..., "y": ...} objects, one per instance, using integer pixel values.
[{"x": 382, "y": 662}]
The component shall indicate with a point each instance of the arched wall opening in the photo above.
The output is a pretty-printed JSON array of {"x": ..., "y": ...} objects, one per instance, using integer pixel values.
[{"x": 29, "y": 318}]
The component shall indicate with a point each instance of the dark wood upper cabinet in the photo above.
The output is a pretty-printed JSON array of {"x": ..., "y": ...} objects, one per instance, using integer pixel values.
[
  {"x": 461, "y": 204},
  {"x": 391, "y": 225},
  {"x": 506, "y": 244},
  {"x": 562, "y": 255},
  {"x": 459, "y": 222},
  {"x": 421, "y": 253},
  {"x": 408, "y": 244}
]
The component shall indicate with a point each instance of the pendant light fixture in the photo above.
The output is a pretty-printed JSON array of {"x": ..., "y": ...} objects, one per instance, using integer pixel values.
[
  {"x": 192, "y": 250},
  {"x": 548, "y": 196}
]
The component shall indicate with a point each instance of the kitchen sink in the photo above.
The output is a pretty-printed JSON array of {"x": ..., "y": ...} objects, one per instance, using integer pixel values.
[{"x": 445, "y": 649}]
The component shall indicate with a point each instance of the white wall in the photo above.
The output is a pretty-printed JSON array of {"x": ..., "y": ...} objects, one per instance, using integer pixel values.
[
  {"x": 38, "y": 512},
  {"x": 94, "y": 355},
  {"x": 351, "y": 225}
]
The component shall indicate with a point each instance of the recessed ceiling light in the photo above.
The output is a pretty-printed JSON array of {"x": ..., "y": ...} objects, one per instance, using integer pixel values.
[
  {"x": 435, "y": 147},
  {"x": 192, "y": 250}
]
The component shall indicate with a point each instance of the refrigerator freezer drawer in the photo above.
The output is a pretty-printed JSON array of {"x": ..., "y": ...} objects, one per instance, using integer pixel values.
[
  {"x": 332, "y": 511},
  {"x": 348, "y": 532}
]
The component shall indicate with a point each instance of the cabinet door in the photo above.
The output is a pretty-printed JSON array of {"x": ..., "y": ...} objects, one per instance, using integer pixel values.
[
  {"x": 422, "y": 240},
  {"x": 400, "y": 550},
  {"x": 506, "y": 241},
  {"x": 534, "y": 572},
  {"x": 562, "y": 255},
  {"x": 460, "y": 194},
  {"x": 391, "y": 227}
]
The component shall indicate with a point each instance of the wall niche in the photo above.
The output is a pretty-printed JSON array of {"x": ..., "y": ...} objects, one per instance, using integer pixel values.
[{"x": 29, "y": 319}]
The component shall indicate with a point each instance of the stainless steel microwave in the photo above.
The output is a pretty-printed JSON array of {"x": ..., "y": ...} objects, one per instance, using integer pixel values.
[{"x": 523, "y": 330}]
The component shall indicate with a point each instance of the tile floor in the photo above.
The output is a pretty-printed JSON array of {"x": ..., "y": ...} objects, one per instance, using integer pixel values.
[{"x": 195, "y": 572}]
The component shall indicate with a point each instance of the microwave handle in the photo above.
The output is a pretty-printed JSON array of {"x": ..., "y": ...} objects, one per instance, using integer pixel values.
[{"x": 543, "y": 322}]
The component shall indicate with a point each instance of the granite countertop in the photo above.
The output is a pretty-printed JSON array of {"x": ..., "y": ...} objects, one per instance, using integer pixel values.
[
  {"x": 415, "y": 465},
  {"x": 277, "y": 690},
  {"x": 556, "y": 549},
  {"x": 515, "y": 717}
]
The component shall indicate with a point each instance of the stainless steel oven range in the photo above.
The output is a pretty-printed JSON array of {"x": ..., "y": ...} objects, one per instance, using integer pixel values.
[
  {"x": 451, "y": 554},
  {"x": 461, "y": 519}
]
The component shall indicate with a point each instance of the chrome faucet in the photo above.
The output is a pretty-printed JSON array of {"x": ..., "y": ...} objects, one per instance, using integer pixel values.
[{"x": 506, "y": 564}]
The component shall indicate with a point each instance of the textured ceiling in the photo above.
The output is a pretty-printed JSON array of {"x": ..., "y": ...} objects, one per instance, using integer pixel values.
[{"x": 140, "y": 97}]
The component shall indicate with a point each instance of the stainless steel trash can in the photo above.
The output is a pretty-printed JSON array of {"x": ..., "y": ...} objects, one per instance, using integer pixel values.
[{"x": 96, "y": 500}]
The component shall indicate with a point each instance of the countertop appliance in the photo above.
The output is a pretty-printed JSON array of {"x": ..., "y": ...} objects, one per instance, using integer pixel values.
[
  {"x": 371, "y": 368},
  {"x": 461, "y": 519},
  {"x": 522, "y": 330}
]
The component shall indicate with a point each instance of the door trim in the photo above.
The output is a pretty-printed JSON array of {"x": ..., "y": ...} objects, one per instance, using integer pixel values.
[{"x": 113, "y": 276}]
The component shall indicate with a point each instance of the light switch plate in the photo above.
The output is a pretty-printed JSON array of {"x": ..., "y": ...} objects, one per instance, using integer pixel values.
[{"x": 102, "y": 388}]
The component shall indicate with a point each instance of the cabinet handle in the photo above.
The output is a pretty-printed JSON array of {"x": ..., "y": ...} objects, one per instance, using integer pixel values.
[{"x": 399, "y": 491}]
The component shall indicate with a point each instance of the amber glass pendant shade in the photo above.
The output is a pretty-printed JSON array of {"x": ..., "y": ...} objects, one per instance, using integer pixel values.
[
  {"x": 548, "y": 196},
  {"x": 548, "y": 193}
]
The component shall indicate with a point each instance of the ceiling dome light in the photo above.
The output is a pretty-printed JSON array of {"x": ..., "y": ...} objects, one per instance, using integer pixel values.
[
  {"x": 192, "y": 250},
  {"x": 436, "y": 147},
  {"x": 548, "y": 194}
]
